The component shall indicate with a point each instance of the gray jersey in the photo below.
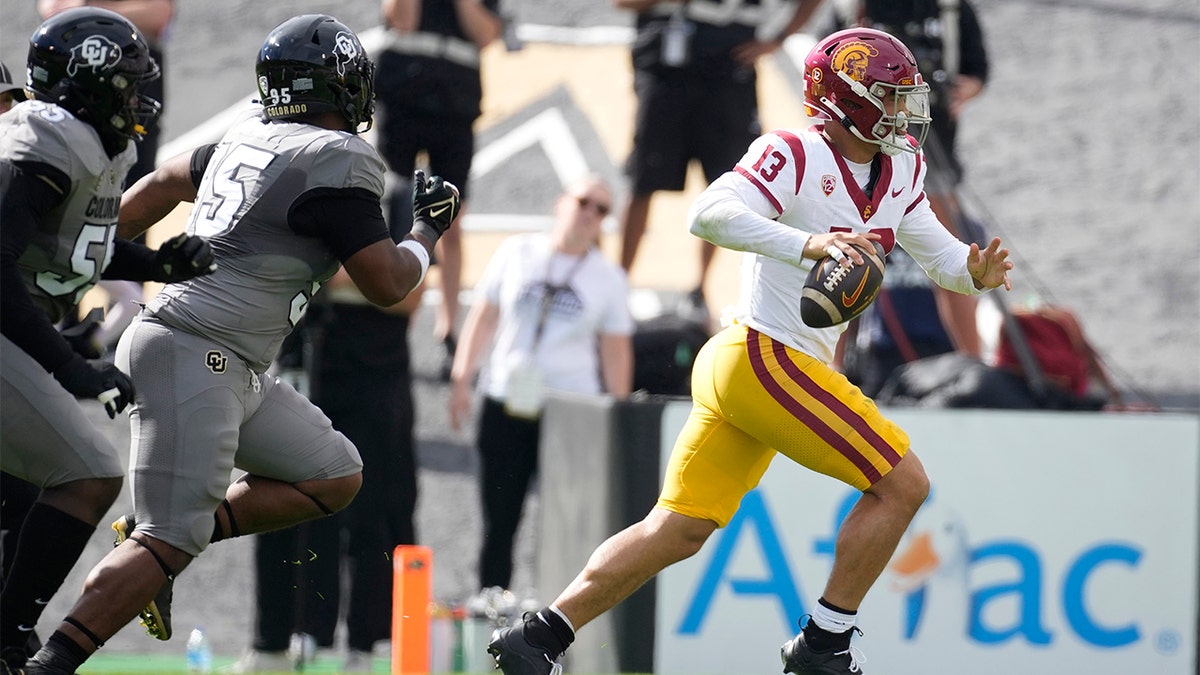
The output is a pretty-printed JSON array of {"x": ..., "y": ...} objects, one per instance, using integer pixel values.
[
  {"x": 74, "y": 242},
  {"x": 266, "y": 273}
]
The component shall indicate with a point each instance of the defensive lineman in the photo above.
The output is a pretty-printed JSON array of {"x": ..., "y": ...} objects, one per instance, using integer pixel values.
[
  {"x": 63, "y": 158},
  {"x": 289, "y": 193}
]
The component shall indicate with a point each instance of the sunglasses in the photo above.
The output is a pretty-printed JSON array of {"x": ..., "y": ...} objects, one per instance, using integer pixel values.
[{"x": 587, "y": 202}]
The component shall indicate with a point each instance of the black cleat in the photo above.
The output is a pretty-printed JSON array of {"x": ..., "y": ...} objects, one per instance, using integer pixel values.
[
  {"x": 156, "y": 617},
  {"x": 514, "y": 654},
  {"x": 800, "y": 659}
]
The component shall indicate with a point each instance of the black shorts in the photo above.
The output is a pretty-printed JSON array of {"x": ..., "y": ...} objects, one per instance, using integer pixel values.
[
  {"x": 450, "y": 145},
  {"x": 681, "y": 119}
]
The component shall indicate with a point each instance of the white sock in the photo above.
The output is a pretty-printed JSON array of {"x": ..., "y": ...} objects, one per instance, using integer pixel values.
[{"x": 832, "y": 620}]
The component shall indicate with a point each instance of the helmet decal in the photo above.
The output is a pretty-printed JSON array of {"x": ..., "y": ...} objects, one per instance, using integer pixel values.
[
  {"x": 96, "y": 52},
  {"x": 853, "y": 58},
  {"x": 345, "y": 51}
]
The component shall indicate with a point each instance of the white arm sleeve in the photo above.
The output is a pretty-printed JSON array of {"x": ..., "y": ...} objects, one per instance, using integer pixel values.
[
  {"x": 732, "y": 213},
  {"x": 939, "y": 253}
]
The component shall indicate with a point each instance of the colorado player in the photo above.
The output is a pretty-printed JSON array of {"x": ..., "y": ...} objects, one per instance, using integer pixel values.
[
  {"x": 63, "y": 158},
  {"x": 287, "y": 194},
  {"x": 763, "y": 385}
]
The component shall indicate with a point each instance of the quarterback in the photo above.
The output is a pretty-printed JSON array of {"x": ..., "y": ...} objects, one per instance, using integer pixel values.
[{"x": 763, "y": 385}]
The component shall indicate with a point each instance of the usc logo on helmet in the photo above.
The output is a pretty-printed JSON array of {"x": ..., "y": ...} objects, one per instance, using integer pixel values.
[{"x": 853, "y": 58}]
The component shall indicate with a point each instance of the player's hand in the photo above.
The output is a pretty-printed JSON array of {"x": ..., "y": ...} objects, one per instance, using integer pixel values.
[
  {"x": 435, "y": 205},
  {"x": 839, "y": 246},
  {"x": 96, "y": 379},
  {"x": 82, "y": 335},
  {"x": 989, "y": 267},
  {"x": 182, "y": 257}
]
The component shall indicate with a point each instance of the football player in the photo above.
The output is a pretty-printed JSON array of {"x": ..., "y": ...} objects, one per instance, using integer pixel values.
[
  {"x": 290, "y": 193},
  {"x": 63, "y": 158},
  {"x": 763, "y": 385}
]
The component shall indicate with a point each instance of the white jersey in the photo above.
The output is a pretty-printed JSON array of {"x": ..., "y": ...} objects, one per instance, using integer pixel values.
[
  {"x": 592, "y": 300},
  {"x": 792, "y": 184}
]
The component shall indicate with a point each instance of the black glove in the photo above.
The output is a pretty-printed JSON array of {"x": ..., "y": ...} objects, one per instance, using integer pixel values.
[
  {"x": 96, "y": 379},
  {"x": 182, "y": 257},
  {"x": 435, "y": 205},
  {"x": 81, "y": 336}
]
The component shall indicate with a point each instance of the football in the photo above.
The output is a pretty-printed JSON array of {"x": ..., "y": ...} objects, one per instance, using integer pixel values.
[{"x": 834, "y": 293}]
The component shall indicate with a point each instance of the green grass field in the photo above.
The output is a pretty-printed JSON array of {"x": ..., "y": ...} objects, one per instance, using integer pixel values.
[{"x": 138, "y": 664}]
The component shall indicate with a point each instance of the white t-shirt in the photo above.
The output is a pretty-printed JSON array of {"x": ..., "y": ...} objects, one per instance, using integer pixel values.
[{"x": 592, "y": 299}]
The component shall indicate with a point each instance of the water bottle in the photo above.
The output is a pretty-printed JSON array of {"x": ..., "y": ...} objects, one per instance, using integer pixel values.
[{"x": 199, "y": 652}]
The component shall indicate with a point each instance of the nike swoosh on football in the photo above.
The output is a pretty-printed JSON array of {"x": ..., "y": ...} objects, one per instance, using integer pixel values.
[
  {"x": 896, "y": 192},
  {"x": 439, "y": 212},
  {"x": 849, "y": 300}
]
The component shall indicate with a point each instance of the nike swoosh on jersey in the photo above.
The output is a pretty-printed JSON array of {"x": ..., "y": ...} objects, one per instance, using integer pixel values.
[
  {"x": 25, "y": 629},
  {"x": 896, "y": 192},
  {"x": 40, "y": 601},
  {"x": 849, "y": 300}
]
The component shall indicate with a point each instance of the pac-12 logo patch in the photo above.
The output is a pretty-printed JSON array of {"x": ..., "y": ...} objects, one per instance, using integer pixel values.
[
  {"x": 216, "y": 361},
  {"x": 828, "y": 184}
]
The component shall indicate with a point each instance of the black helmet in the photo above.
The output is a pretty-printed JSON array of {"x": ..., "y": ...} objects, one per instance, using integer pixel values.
[
  {"x": 95, "y": 63},
  {"x": 314, "y": 64}
]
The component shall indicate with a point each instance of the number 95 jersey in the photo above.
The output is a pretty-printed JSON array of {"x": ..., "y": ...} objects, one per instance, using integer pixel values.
[
  {"x": 266, "y": 272},
  {"x": 73, "y": 243}
]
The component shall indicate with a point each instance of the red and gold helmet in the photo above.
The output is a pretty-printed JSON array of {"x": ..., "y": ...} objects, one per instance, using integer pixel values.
[{"x": 867, "y": 81}]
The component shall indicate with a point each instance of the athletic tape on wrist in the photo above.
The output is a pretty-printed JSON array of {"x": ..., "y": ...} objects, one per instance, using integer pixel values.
[{"x": 417, "y": 249}]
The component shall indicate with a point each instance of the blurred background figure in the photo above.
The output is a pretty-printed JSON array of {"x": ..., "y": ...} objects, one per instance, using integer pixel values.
[
  {"x": 948, "y": 43},
  {"x": 11, "y": 93},
  {"x": 550, "y": 313},
  {"x": 696, "y": 85},
  {"x": 901, "y": 326},
  {"x": 428, "y": 92}
]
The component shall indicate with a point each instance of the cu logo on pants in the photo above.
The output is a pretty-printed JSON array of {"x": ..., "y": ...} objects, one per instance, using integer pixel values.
[{"x": 216, "y": 361}]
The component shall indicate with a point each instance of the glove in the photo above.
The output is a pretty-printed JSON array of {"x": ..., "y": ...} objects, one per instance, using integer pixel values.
[
  {"x": 435, "y": 205},
  {"x": 81, "y": 336},
  {"x": 96, "y": 379},
  {"x": 182, "y": 257}
]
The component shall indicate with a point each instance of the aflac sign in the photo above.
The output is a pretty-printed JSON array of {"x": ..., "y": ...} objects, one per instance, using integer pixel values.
[{"x": 1049, "y": 547}]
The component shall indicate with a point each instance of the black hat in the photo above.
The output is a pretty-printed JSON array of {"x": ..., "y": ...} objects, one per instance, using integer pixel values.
[{"x": 6, "y": 83}]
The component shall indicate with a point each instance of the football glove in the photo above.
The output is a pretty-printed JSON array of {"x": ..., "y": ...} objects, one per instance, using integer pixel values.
[
  {"x": 182, "y": 257},
  {"x": 435, "y": 205},
  {"x": 82, "y": 335},
  {"x": 96, "y": 379}
]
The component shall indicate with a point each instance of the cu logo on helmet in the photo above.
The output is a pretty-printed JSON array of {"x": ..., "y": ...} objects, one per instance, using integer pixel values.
[
  {"x": 853, "y": 59},
  {"x": 96, "y": 52},
  {"x": 345, "y": 50}
]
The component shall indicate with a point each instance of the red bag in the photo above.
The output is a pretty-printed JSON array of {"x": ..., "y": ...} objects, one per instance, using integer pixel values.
[{"x": 1057, "y": 342}]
